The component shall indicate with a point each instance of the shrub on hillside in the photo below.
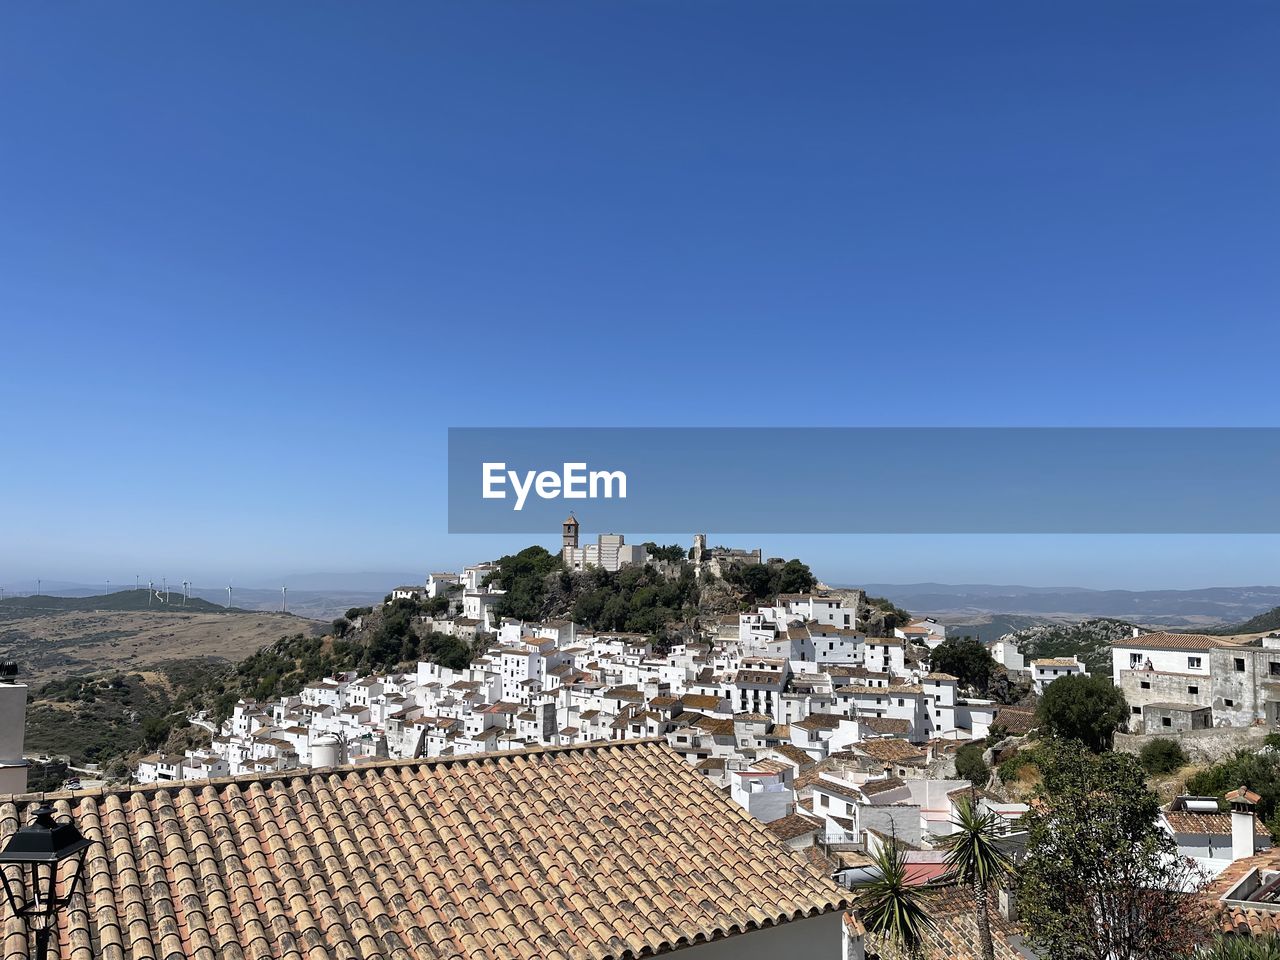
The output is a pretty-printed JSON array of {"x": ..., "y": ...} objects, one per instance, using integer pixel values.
[
  {"x": 970, "y": 765},
  {"x": 1162, "y": 756}
]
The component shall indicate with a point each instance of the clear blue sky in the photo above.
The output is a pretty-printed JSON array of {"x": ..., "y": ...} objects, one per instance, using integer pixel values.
[{"x": 256, "y": 258}]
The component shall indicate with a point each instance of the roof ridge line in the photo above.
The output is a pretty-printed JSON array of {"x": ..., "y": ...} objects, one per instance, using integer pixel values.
[{"x": 20, "y": 799}]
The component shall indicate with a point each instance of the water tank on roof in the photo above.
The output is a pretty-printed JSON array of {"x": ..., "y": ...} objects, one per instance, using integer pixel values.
[{"x": 326, "y": 752}]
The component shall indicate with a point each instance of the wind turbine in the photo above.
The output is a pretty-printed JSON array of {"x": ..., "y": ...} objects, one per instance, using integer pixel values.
[
  {"x": 165, "y": 582},
  {"x": 228, "y": 597},
  {"x": 151, "y": 589},
  {"x": 185, "y": 584},
  {"x": 284, "y": 599}
]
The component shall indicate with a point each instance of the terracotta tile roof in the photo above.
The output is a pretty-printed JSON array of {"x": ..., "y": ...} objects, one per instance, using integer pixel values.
[
  {"x": 889, "y": 750},
  {"x": 819, "y": 721},
  {"x": 548, "y": 854},
  {"x": 1173, "y": 641},
  {"x": 794, "y": 754},
  {"x": 1014, "y": 721},
  {"x": 793, "y": 826},
  {"x": 1253, "y": 920},
  {"x": 1212, "y": 824},
  {"x": 699, "y": 701},
  {"x": 1244, "y": 793},
  {"x": 885, "y": 724},
  {"x": 955, "y": 936},
  {"x": 873, "y": 787}
]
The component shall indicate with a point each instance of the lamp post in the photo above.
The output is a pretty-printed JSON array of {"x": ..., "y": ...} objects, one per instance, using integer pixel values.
[{"x": 41, "y": 850}]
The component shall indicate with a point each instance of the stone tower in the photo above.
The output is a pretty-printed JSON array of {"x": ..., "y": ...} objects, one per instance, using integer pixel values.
[
  {"x": 699, "y": 546},
  {"x": 570, "y": 533}
]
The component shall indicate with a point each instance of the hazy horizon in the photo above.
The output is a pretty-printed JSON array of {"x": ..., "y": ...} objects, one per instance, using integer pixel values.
[{"x": 1091, "y": 562}]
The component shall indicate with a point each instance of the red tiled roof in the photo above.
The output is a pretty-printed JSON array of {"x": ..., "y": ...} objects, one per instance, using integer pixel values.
[{"x": 547, "y": 854}]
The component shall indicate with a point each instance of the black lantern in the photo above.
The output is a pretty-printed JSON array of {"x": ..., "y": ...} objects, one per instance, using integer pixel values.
[{"x": 50, "y": 856}]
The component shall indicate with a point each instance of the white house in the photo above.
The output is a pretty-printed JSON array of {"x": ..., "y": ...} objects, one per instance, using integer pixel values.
[{"x": 1045, "y": 671}]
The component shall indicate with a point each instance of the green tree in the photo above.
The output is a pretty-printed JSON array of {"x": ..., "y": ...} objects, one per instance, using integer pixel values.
[
  {"x": 758, "y": 580},
  {"x": 1162, "y": 756},
  {"x": 966, "y": 659},
  {"x": 971, "y": 766},
  {"x": 1101, "y": 880},
  {"x": 672, "y": 552},
  {"x": 524, "y": 576},
  {"x": 891, "y": 907},
  {"x": 974, "y": 858},
  {"x": 794, "y": 577},
  {"x": 1260, "y": 772},
  {"x": 1087, "y": 709}
]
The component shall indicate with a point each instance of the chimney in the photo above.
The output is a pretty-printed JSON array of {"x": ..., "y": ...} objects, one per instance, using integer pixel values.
[
  {"x": 1242, "y": 837},
  {"x": 13, "y": 722}
]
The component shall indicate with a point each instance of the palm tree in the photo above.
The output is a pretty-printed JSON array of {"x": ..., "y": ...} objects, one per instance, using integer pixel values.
[
  {"x": 891, "y": 908},
  {"x": 974, "y": 858}
]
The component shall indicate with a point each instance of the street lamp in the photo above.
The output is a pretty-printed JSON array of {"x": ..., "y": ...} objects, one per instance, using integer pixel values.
[{"x": 40, "y": 850}]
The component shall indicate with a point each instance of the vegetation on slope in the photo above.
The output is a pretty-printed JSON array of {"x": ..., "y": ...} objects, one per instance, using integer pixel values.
[
  {"x": 122, "y": 600},
  {"x": 1090, "y": 640},
  {"x": 1262, "y": 623},
  {"x": 97, "y": 718},
  {"x": 660, "y": 603}
]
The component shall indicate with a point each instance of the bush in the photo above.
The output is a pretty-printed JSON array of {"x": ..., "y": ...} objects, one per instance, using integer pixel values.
[
  {"x": 970, "y": 765},
  {"x": 1231, "y": 947},
  {"x": 1162, "y": 756}
]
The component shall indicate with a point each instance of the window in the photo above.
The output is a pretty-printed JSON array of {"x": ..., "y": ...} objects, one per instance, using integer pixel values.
[
  {"x": 1193, "y": 689},
  {"x": 826, "y": 801},
  {"x": 1239, "y": 664},
  {"x": 1135, "y": 709},
  {"x": 1166, "y": 722},
  {"x": 1228, "y": 702},
  {"x": 1193, "y": 663},
  {"x": 1275, "y": 669},
  {"x": 1146, "y": 684},
  {"x": 1135, "y": 661}
]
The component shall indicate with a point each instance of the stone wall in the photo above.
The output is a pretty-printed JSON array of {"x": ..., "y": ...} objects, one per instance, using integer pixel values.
[{"x": 1202, "y": 746}]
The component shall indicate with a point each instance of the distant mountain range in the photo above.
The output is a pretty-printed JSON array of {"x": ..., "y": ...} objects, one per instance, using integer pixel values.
[
  {"x": 977, "y": 603},
  {"x": 313, "y": 604}
]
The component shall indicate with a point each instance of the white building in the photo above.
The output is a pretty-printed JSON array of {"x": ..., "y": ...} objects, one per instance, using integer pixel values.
[{"x": 1045, "y": 671}]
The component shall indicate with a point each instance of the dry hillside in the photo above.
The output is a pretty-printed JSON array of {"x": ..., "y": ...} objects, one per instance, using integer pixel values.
[{"x": 55, "y": 646}]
